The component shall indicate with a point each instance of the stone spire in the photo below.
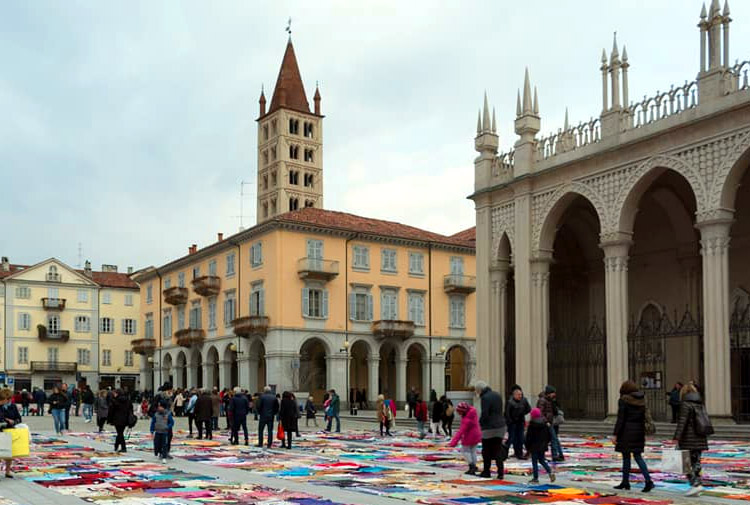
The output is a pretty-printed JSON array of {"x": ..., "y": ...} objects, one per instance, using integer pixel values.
[
  {"x": 494, "y": 125},
  {"x": 518, "y": 104},
  {"x": 485, "y": 143},
  {"x": 316, "y": 100},
  {"x": 624, "y": 66},
  {"x": 605, "y": 69},
  {"x": 527, "y": 106},
  {"x": 486, "y": 115},
  {"x": 479, "y": 122},
  {"x": 262, "y": 102},
  {"x": 527, "y": 125},
  {"x": 289, "y": 92},
  {"x": 536, "y": 102},
  {"x": 565, "y": 125}
]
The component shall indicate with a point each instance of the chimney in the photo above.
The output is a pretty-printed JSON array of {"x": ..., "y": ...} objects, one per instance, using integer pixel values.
[
  {"x": 5, "y": 264},
  {"x": 87, "y": 269},
  {"x": 130, "y": 270},
  {"x": 109, "y": 268},
  {"x": 219, "y": 237},
  {"x": 192, "y": 249}
]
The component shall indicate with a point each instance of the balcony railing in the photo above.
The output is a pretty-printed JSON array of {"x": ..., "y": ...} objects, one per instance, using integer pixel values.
[
  {"x": 317, "y": 269},
  {"x": 144, "y": 346},
  {"x": 54, "y": 366},
  {"x": 392, "y": 328},
  {"x": 176, "y": 295},
  {"x": 208, "y": 285},
  {"x": 45, "y": 335},
  {"x": 251, "y": 326},
  {"x": 53, "y": 303},
  {"x": 459, "y": 283},
  {"x": 53, "y": 277},
  {"x": 190, "y": 337}
]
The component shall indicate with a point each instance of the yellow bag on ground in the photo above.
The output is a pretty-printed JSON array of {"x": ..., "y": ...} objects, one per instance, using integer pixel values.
[{"x": 19, "y": 441}]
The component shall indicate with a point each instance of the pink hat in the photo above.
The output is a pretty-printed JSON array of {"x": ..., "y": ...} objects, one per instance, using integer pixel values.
[
  {"x": 536, "y": 413},
  {"x": 462, "y": 408}
]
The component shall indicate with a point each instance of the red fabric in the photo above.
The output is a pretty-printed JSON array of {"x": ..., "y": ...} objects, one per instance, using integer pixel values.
[
  {"x": 393, "y": 409},
  {"x": 469, "y": 433},
  {"x": 421, "y": 411}
]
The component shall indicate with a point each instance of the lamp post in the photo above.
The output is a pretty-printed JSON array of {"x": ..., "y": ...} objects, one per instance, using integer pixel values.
[
  {"x": 235, "y": 348},
  {"x": 153, "y": 375},
  {"x": 345, "y": 350}
]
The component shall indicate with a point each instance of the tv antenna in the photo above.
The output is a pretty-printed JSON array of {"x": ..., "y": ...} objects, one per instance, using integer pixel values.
[
  {"x": 80, "y": 254},
  {"x": 242, "y": 203}
]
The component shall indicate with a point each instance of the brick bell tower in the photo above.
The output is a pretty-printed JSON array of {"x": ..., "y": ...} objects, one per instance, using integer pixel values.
[{"x": 290, "y": 145}]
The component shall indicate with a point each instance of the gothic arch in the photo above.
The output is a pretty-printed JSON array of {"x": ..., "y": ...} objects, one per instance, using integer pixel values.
[
  {"x": 320, "y": 338},
  {"x": 639, "y": 180},
  {"x": 549, "y": 218},
  {"x": 502, "y": 249},
  {"x": 728, "y": 176},
  {"x": 503, "y": 224}
]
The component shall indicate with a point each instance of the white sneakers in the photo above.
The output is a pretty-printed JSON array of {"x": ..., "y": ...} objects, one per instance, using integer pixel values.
[
  {"x": 164, "y": 460},
  {"x": 695, "y": 490}
]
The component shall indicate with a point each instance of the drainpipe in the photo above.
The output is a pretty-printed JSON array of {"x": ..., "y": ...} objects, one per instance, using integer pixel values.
[
  {"x": 346, "y": 316},
  {"x": 429, "y": 308}
]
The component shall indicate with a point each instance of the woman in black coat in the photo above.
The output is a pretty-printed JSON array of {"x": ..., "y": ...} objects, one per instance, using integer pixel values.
[
  {"x": 687, "y": 437},
  {"x": 118, "y": 416},
  {"x": 288, "y": 417},
  {"x": 630, "y": 433}
]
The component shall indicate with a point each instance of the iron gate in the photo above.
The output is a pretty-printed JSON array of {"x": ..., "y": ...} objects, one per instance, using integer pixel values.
[{"x": 739, "y": 334}]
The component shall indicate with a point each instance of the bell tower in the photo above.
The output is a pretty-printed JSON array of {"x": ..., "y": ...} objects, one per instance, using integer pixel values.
[{"x": 290, "y": 145}]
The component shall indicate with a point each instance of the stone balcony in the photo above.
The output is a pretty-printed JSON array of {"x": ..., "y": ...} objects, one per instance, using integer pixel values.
[
  {"x": 176, "y": 295},
  {"x": 251, "y": 326},
  {"x": 207, "y": 285},
  {"x": 459, "y": 284},
  {"x": 44, "y": 335},
  {"x": 53, "y": 303},
  {"x": 144, "y": 346},
  {"x": 392, "y": 328},
  {"x": 317, "y": 269},
  {"x": 190, "y": 337}
]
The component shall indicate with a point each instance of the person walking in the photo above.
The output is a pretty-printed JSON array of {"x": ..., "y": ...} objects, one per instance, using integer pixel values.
[
  {"x": 118, "y": 416},
  {"x": 9, "y": 418},
  {"x": 310, "y": 412},
  {"x": 179, "y": 403},
  {"x": 547, "y": 403},
  {"x": 469, "y": 434},
  {"x": 190, "y": 411},
  {"x": 102, "y": 410},
  {"x": 384, "y": 415},
  {"x": 411, "y": 400},
  {"x": 674, "y": 401},
  {"x": 161, "y": 425},
  {"x": 239, "y": 406},
  {"x": 288, "y": 417},
  {"x": 691, "y": 433},
  {"x": 333, "y": 410},
  {"x": 25, "y": 401},
  {"x": 87, "y": 399},
  {"x": 215, "y": 409},
  {"x": 266, "y": 409},
  {"x": 420, "y": 413},
  {"x": 204, "y": 414},
  {"x": 448, "y": 415},
  {"x": 537, "y": 442},
  {"x": 515, "y": 417},
  {"x": 493, "y": 427},
  {"x": 68, "y": 390},
  {"x": 436, "y": 418},
  {"x": 40, "y": 398},
  {"x": 630, "y": 433},
  {"x": 57, "y": 403}
]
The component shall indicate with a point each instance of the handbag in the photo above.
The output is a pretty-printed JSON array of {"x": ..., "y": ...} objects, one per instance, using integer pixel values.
[
  {"x": 132, "y": 420},
  {"x": 6, "y": 445},
  {"x": 280, "y": 433},
  {"x": 675, "y": 461},
  {"x": 504, "y": 450},
  {"x": 702, "y": 423},
  {"x": 559, "y": 418}
]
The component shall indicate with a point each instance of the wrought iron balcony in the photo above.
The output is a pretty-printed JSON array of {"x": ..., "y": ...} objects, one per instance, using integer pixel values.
[
  {"x": 54, "y": 366},
  {"x": 144, "y": 346},
  {"x": 459, "y": 283},
  {"x": 392, "y": 328},
  {"x": 52, "y": 277},
  {"x": 176, "y": 295},
  {"x": 190, "y": 337},
  {"x": 251, "y": 326},
  {"x": 208, "y": 285},
  {"x": 53, "y": 303},
  {"x": 61, "y": 336},
  {"x": 317, "y": 269}
]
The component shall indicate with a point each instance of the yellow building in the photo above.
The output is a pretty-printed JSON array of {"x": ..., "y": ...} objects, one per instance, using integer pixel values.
[{"x": 66, "y": 325}]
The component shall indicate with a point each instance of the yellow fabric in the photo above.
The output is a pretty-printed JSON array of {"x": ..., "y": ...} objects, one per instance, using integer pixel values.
[{"x": 20, "y": 441}]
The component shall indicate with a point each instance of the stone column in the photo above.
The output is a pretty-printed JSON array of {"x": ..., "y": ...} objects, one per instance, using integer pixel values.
[
  {"x": 425, "y": 391},
  {"x": 437, "y": 371},
  {"x": 225, "y": 374},
  {"x": 336, "y": 377},
  {"x": 498, "y": 322},
  {"x": 176, "y": 376},
  {"x": 248, "y": 374},
  {"x": 373, "y": 372},
  {"x": 400, "y": 381},
  {"x": 537, "y": 359},
  {"x": 524, "y": 313},
  {"x": 145, "y": 373},
  {"x": 484, "y": 307},
  {"x": 208, "y": 375},
  {"x": 279, "y": 369},
  {"x": 192, "y": 376},
  {"x": 616, "y": 301},
  {"x": 716, "y": 344}
]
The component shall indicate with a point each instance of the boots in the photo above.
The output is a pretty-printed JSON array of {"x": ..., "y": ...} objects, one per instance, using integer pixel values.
[
  {"x": 625, "y": 485},
  {"x": 472, "y": 470},
  {"x": 649, "y": 486}
]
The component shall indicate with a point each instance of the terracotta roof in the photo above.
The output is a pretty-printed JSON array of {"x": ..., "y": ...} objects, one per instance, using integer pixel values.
[
  {"x": 351, "y": 222},
  {"x": 104, "y": 279},
  {"x": 289, "y": 92},
  {"x": 13, "y": 269},
  {"x": 469, "y": 235}
]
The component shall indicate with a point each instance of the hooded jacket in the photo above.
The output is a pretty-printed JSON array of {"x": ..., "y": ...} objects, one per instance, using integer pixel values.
[
  {"x": 492, "y": 420},
  {"x": 516, "y": 410},
  {"x": 469, "y": 432},
  {"x": 537, "y": 436},
  {"x": 630, "y": 428},
  {"x": 685, "y": 433}
]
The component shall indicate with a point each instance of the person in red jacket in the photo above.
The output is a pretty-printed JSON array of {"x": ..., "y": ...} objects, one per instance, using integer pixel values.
[
  {"x": 469, "y": 434},
  {"x": 420, "y": 413}
]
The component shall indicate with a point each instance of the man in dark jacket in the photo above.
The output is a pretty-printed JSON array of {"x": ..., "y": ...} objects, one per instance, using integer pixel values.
[
  {"x": 40, "y": 398},
  {"x": 688, "y": 435},
  {"x": 515, "y": 416},
  {"x": 239, "y": 406},
  {"x": 203, "y": 414},
  {"x": 118, "y": 416},
  {"x": 492, "y": 423},
  {"x": 547, "y": 403},
  {"x": 267, "y": 408},
  {"x": 333, "y": 411},
  {"x": 411, "y": 400},
  {"x": 674, "y": 401}
]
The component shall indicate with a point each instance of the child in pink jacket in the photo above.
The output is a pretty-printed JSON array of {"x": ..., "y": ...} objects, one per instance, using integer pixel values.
[{"x": 469, "y": 434}]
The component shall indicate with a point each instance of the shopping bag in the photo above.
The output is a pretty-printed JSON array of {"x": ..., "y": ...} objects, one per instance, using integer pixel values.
[
  {"x": 20, "y": 440},
  {"x": 675, "y": 461},
  {"x": 6, "y": 445},
  {"x": 280, "y": 433}
]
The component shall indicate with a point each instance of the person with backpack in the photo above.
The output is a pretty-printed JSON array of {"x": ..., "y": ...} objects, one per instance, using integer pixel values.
[
  {"x": 448, "y": 415},
  {"x": 420, "y": 413},
  {"x": 25, "y": 401},
  {"x": 436, "y": 418},
  {"x": 515, "y": 417},
  {"x": 161, "y": 426},
  {"x": 673, "y": 398},
  {"x": 537, "y": 441},
  {"x": 190, "y": 411},
  {"x": 630, "y": 433},
  {"x": 469, "y": 434},
  {"x": 493, "y": 427},
  {"x": 551, "y": 413},
  {"x": 40, "y": 398},
  {"x": 692, "y": 432}
]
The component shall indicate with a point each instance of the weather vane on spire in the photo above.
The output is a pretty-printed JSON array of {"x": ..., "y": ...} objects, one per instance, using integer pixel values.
[{"x": 289, "y": 27}]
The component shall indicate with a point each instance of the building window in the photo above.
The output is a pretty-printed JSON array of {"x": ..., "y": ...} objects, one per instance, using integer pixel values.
[
  {"x": 389, "y": 305},
  {"x": 309, "y": 180},
  {"x": 106, "y": 357},
  {"x": 458, "y": 312},
  {"x": 265, "y": 132},
  {"x": 230, "y": 264},
  {"x": 273, "y": 127},
  {"x": 265, "y": 163},
  {"x": 212, "y": 268},
  {"x": 309, "y": 203},
  {"x": 294, "y": 152},
  {"x": 361, "y": 257},
  {"x": 82, "y": 324},
  {"x": 82, "y": 296},
  {"x": 181, "y": 317},
  {"x": 314, "y": 250},
  {"x": 388, "y": 260},
  {"x": 128, "y": 326},
  {"x": 83, "y": 357},
  {"x": 308, "y": 156},
  {"x": 315, "y": 303},
  {"x": 293, "y": 203},
  {"x": 229, "y": 309},
  {"x": 106, "y": 325},
  {"x": 181, "y": 279},
  {"x": 360, "y": 306},
  {"x": 196, "y": 272},
  {"x": 53, "y": 325},
  {"x": 308, "y": 130},
  {"x": 294, "y": 126},
  {"x": 106, "y": 298},
  {"x": 52, "y": 275},
  {"x": 53, "y": 354},
  {"x": 195, "y": 316},
  {"x": 212, "y": 313},
  {"x": 416, "y": 308},
  {"x": 23, "y": 355},
  {"x": 273, "y": 153},
  {"x": 149, "y": 293},
  {"x": 24, "y": 321},
  {"x": 128, "y": 358},
  {"x": 273, "y": 179},
  {"x": 294, "y": 177},
  {"x": 416, "y": 263},
  {"x": 167, "y": 324},
  {"x": 457, "y": 265},
  {"x": 272, "y": 206},
  {"x": 23, "y": 292},
  {"x": 167, "y": 283},
  {"x": 129, "y": 300},
  {"x": 257, "y": 300},
  {"x": 148, "y": 326},
  {"x": 256, "y": 254}
]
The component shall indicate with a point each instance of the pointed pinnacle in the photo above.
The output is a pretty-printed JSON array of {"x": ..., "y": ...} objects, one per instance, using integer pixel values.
[
  {"x": 536, "y": 103},
  {"x": 479, "y": 122},
  {"x": 615, "y": 53},
  {"x": 518, "y": 104},
  {"x": 624, "y": 54},
  {"x": 486, "y": 115},
  {"x": 703, "y": 11},
  {"x": 526, "y": 93},
  {"x": 604, "y": 56},
  {"x": 715, "y": 8},
  {"x": 565, "y": 126},
  {"x": 494, "y": 125},
  {"x": 726, "y": 8}
]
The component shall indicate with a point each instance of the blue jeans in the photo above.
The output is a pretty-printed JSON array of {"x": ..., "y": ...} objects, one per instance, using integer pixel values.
[
  {"x": 88, "y": 411},
  {"x": 537, "y": 458},
  {"x": 554, "y": 443},
  {"x": 58, "y": 415},
  {"x": 161, "y": 444},
  {"x": 421, "y": 429},
  {"x": 515, "y": 438},
  {"x": 639, "y": 461},
  {"x": 330, "y": 422}
]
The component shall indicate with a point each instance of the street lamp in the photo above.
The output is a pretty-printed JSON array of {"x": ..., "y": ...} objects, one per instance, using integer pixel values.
[{"x": 345, "y": 350}]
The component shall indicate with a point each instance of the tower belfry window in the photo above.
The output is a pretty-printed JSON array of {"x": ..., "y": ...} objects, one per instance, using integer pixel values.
[
  {"x": 308, "y": 180},
  {"x": 265, "y": 132},
  {"x": 294, "y": 126},
  {"x": 309, "y": 155},
  {"x": 294, "y": 152},
  {"x": 294, "y": 177},
  {"x": 308, "y": 130},
  {"x": 293, "y": 203}
]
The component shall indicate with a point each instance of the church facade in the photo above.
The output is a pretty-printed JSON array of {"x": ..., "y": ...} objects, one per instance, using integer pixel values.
[{"x": 617, "y": 248}]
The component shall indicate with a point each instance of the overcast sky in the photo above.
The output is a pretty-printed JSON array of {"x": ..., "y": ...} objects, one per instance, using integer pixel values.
[{"x": 128, "y": 126}]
